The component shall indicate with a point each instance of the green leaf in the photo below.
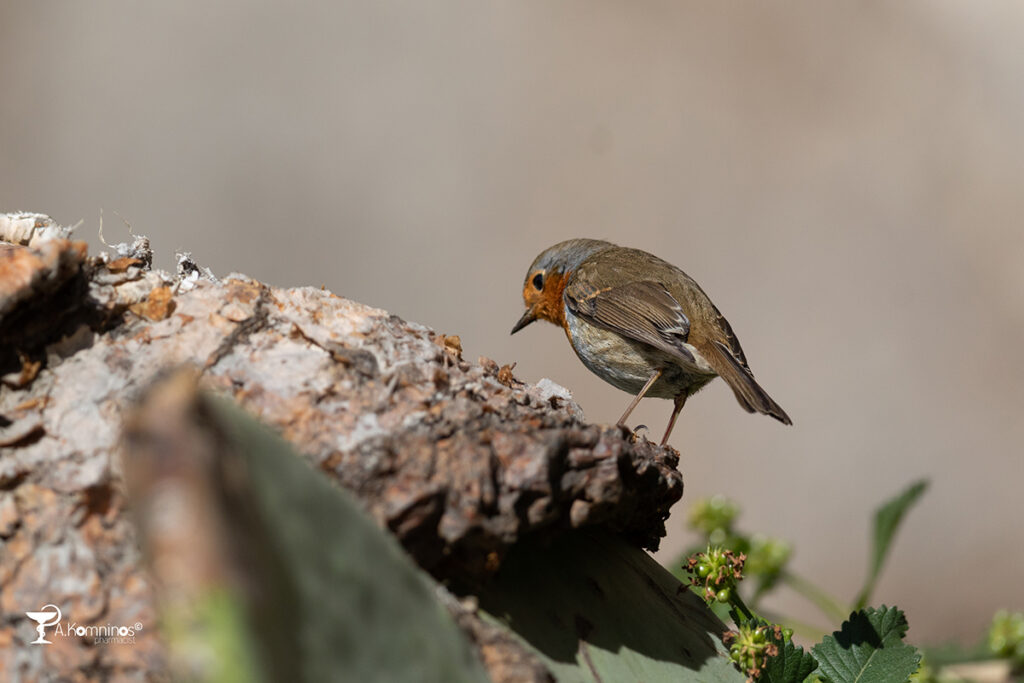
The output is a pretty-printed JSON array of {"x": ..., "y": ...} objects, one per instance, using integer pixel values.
[
  {"x": 869, "y": 648},
  {"x": 887, "y": 521},
  {"x": 594, "y": 608},
  {"x": 792, "y": 665},
  {"x": 337, "y": 596}
]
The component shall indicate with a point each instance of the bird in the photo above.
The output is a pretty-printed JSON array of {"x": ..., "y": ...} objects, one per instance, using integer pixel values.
[{"x": 641, "y": 324}]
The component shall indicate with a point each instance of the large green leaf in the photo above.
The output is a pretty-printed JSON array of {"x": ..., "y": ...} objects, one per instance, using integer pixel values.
[
  {"x": 887, "y": 521},
  {"x": 597, "y": 609},
  {"x": 335, "y": 598},
  {"x": 869, "y": 648}
]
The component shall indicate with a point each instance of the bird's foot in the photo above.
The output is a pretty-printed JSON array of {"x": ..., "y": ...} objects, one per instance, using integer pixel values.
[{"x": 635, "y": 434}]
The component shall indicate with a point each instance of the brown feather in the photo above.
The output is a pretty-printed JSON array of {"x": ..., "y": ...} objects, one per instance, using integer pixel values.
[
  {"x": 739, "y": 378},
  {"x": 643, "y": 311}
]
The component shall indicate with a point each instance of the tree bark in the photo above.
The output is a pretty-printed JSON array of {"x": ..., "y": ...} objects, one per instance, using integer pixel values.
[{"x": 459, "y": 460}]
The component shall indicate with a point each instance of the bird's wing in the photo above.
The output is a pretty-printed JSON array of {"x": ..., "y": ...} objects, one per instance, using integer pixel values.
[
  {"x": 644, "y": 311},
  {"x": 728, "y": 337}
]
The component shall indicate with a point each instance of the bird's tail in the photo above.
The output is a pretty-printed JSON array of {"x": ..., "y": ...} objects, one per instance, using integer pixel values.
[{"x": 748, "y": 392}]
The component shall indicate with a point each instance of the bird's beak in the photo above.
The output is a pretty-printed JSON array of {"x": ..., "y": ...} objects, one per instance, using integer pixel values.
[{"x": 527, "y": 318}]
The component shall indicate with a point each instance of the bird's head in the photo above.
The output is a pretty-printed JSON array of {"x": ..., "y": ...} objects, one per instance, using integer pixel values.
[{"x": 546, "y": 279}]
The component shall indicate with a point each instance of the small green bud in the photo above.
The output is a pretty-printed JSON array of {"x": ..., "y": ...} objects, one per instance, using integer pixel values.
[
  {"x": 715, "y": 573},
  {"x": 752, "y": 646},
  {"x": 713, "y": 514},
  {"x": 767, "y": 556},
  {"x": 1006, "y": 636}
]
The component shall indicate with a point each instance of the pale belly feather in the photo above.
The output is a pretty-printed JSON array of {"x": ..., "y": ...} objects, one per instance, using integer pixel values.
[{"x": 628, "y": 364}]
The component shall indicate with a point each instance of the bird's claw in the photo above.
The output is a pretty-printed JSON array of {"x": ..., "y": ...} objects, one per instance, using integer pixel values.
[{"x": 634, "y": 434}]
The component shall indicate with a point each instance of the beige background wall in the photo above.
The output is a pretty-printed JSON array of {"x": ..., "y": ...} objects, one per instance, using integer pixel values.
[{"x": 845, "y": 180}]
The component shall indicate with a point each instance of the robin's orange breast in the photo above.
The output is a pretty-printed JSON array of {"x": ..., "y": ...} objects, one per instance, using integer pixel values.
[{"x": 549, "y": 304}]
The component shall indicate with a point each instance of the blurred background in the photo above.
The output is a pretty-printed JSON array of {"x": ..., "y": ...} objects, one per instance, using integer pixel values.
[{"x": 845, "y": 180}]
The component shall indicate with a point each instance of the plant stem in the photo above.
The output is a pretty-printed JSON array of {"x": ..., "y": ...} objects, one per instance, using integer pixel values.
[
  {"x": 736, "y": 601},
  {"x": 822, "y": 600},
  {"x": 809, "y": 632}
]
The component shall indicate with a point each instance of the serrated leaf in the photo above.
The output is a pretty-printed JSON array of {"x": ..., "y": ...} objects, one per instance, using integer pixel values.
[
  {"x": 887, "y": 520},
  {"x": 869, "y": 648},
  {"x": 792, "y": 665}
]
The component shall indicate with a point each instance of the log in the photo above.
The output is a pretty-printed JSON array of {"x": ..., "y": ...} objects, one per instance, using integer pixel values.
[{"x": 460, "y": 461}]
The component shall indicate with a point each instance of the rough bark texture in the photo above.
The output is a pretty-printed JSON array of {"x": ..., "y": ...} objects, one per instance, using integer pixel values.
[{"x": 459, "y": 460}]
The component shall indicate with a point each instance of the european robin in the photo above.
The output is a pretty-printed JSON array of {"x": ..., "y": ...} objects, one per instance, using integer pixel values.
[{"x": 640, "y": 324}]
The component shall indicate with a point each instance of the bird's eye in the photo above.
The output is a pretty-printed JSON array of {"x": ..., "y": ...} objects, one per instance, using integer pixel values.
[{"x": 538, "y": 282}]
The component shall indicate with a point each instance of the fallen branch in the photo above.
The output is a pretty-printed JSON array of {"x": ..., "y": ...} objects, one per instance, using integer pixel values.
[{"x": 459, "y": 460}]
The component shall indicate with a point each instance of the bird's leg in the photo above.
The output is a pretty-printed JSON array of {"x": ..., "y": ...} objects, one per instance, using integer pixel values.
[
  {"x": 679, "y": 401},
  {"x": 632, "y": 405}
]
